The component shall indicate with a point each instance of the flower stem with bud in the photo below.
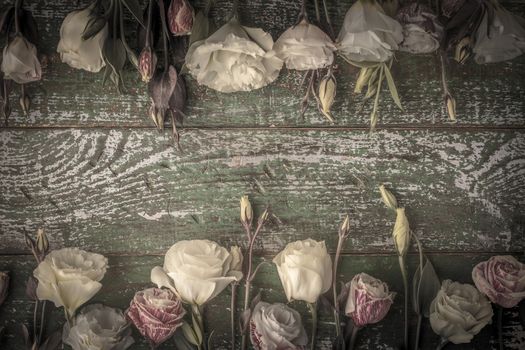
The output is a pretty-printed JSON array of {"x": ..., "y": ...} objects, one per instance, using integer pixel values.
[{"x": 404, "y": 273}]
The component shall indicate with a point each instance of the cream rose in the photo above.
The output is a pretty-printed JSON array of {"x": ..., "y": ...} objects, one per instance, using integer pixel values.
[
  {"x": 99, "y": 327},
  {"x": 305, "y": 270},
  {"x": 69, "y": 277},
  {"x": 304, "y": 47},
  {"x": 459, "y": 312},
  {"x": 197, "y": 270},
  {"x": 74, "y": 50},
  {"x": 234, "y": 58},
  {"x": 368, "y": 34},
  {"x": 20, "y": 62},
  {"x": 275, "y": 327}
]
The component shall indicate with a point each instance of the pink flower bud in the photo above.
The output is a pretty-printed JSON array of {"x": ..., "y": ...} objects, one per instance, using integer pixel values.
[
  {"x": 368, "y": 300},
  {"x": 180, "y": 17},
  {"x": 147, "y": 63},
  {"x": 157, "y": 313},
  {"x": 501, "y": 279}
]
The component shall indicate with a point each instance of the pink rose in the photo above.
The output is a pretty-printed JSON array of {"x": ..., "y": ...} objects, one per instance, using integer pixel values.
[
  {"x": 501, "y": 279},
  {"x": 180, "y": 17},
  {"x": 368, "y": 300},
  {"x": 157, "y": 313}
]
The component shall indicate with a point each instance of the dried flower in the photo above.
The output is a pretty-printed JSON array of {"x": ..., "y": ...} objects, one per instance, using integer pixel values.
[
  {"x": 20, "y": 62},
  {"x": 276, "y": 326},
  {"x": 197, "y": 270},
  {"x": 69, "y": 277},
  {"x": 147, "y": 63},
  {"x": 368, "y": 300},
  {"x": 327, "y": 92},
  {"x": 156, "y": 313},
  {"x": 161, "y": 89},
  {"x": 305, "y": 270},
  {"x": 459, "y": 312},
  {"x": 304, "y": 46},
  {"x": 234, "y": 58},
  {"x": 98, "y": 327},
  {"x": 501, "y": 279},
  {"x": 4, "y": 286},
  {"x": 422, "y": 32},
  {"x": 76, "y": 51},
  {"x": 180, "y": 17},
  {"x": 463, "y": 50},
  {"x": 246, "y": 211}
]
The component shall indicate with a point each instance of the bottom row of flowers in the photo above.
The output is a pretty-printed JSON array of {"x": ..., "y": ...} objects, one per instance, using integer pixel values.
[{"x": 196, "y": 271}]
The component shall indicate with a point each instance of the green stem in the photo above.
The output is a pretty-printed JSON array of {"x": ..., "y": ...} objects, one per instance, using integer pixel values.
[
  {"x": 317, "y": 12},
  {"x": 197, "y": 314},
  {"x": 418, "y": 331},
  {"x": 232, "y": 313},
  {"x": 35, "y": 312},
  {"x": 18, "y": 5},
  {"x": 165, "y": 34},
  {"x": 313, "y": 310},
  {"x": 402, "y": 266},
  {"x": 353, "y": 337},
  {"x": 328, "y": 21},
  {"x": 42, "y": 322},
  {"x": 442, "y": 344},
  {"x": 334, "y": 286},
  {"x": 500, "y": 327}
]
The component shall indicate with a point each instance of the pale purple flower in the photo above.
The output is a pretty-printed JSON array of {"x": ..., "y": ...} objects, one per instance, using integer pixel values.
[
  {"x": 157, "y": 313},
  {"x": 147, "y": 63},
  {"x": 501, "y": 279},
  {"x": 368, "y": 300},
  {"x": 180, "y": 17}
]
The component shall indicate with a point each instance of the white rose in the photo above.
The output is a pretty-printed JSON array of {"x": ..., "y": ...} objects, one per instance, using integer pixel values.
[
  {"x": 77, "y": 52},
  {"x": 503, "y": 39},
  {"x": 305, "y": 270},
  {"x": 276, "y": 326},
  {"x": 459, "y": 312},
  {"x": 368, "y": 34},
  {"x": 304, "y": 47},
  {"x": 69, "y": 277},
  {"x": 197, "y": 270},
  {"x": 99, "y": 327},
  {"x": 20, "y": 62},
  {"x": 234, "y": 58}
]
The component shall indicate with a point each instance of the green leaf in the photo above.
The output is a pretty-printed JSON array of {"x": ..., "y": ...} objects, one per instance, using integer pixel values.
[
  {"x": 189, "y": 334},
  {"x": 197, "y": 329},
  {"x": 392, "y": 86},
  {"x": 115, "y": 56},
  {"x": 426, "y": 286},
  {"x": 201, "y": 27},
  {"x": 135, "y": 9},
  {"x": 93, "y": 27},
  {"x": 209, "y": 340}
]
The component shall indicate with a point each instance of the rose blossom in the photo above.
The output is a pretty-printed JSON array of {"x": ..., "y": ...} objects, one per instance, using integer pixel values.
[
  {"x": 157, "y": 313},
  {"x": 234, "y": 58},
  {"x": 368, "y": 300},
  {"x": 275, "y": 327},
  {"x": 459, "y": 312},
  {"x": 99, "y": 327},
  {"x": 501, "y": 279},
  {"x": 69, "y": 277},
  {"x": 305, "y": 270},
  {"x": 197, "y": 270},
  {"x": 20, "y": 62}
]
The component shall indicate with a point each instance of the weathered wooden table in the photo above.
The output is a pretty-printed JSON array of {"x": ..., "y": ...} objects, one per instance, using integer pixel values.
[{"x": 88, "y": 165}]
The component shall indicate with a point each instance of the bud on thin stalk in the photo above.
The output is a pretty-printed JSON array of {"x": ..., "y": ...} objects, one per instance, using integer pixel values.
[
  {"x": 246, "y": 211},
  {"x": 327, "y": 92},
  {"x": 147, "y": 63},
  {"x": 462, "y": 51},
  {"x": 25, "y": 103},
  {"x": 450, "y": 103},
  {"x": 263, "y": 218},
  {"x": 388, "y": 198},
  {"x": 42, "y": 243},
  {"x": 344, "y": 230}
]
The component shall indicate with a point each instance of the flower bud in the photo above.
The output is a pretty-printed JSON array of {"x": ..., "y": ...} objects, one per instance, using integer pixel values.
[
  {"x": 147, "y": 63},
  {"x": 4, "y": 286},
  {"x": 388, "y": 198},
  {"x": 462, "y": 51},
  {"x": 362, "y": 79},
  {"x": 344, "y": 230},
  {"x": 401, "y": 232},
  {"x": 246, "y": 211},
  {"x": 30, "y": 242},
  {"x": 25, "y": 103},
  {"x": 451, "y": 107},
  {"x": 264, "y": 217},
  {"x": 31, "y": 285},
  {"x": 42, "y": 243},
  {"x": 180, "y": 17},
  {"x": 327, "y": 91}
]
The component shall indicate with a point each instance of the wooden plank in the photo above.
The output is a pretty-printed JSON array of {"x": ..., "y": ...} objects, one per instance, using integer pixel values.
[
  {"x": 486, "y": 95},
  {"x": 131, "y": 191},
  {"x": 127, "y": 275}
]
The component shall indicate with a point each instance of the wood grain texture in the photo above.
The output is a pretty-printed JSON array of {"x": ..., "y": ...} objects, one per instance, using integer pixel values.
[
  {"x": 487, "y": 95},
  {"x": 130, "y": 274},
  {"x": 132, "y": 192}
]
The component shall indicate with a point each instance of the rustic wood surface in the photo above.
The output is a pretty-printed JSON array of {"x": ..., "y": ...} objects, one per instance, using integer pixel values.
[{"x": 88, "y": 165}]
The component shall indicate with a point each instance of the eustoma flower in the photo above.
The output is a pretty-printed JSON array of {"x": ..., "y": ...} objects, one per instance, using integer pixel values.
[
  {"x": 304, "y": 46},
  {"x": 275, "y": 327},
  {"x": 368, "y": 300},
  {"x": 180, "y": 17},
  {"x": 459, "y": 312},
  {"x": 20, "y": 62},
  {"x": 234, "y": 58},
  {"x": 422, "y": 32},
  {"x": 501, "y": 279},
  {"x": 69, "y": 277},
  {"x": 156, "y": 313},
  {"x": 99, "y": 327},
  {"x": 73, "y": 49}
]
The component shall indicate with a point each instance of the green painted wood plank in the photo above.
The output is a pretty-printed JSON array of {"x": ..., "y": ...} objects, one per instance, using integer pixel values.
[
  {"x": 127, "y": 274},
  {"x": 487, "y": 95},
  {"x": 132, "y": 191}
]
